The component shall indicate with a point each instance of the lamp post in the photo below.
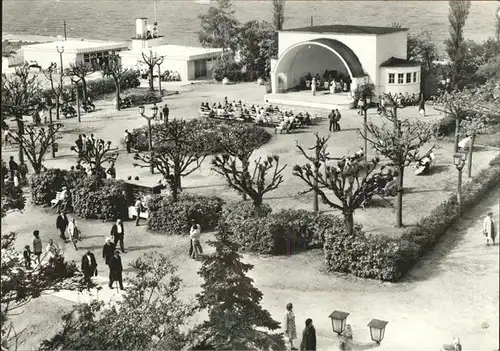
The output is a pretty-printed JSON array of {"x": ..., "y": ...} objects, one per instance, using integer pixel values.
[
  {"x": 159, "y": 74},
  {"x": 338, "y": 321},
  {"x": 60, "y": 50},
  {"x": 459, "y": 162},
  {"x": 50, "y": 129},
  {"x": 377, "y": 330},
  {"x": 154, "y": 110}
]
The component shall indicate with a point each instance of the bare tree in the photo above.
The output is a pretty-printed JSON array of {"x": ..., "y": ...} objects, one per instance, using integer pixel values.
[
  {"x": 55, "y": 89},
  {"x": 113, "y": 68},
  {"x": 151, "y": 60},
  {"x": 176, "y": 152},
  {"x": 80, "y": 70},
  {"x": 97, "y": 154},
  {"x": 278, "y": 14},
  {"x": 256, "y": 184},
  {"x": 400, "y": 141},
  {"x": 455, "y": 45},
  {"x": 20, "y": 96}
]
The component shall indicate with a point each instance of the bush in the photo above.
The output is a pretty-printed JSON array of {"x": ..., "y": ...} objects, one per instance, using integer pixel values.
[
  {"x": 388, "y": 259},
  {"x": 103, "y": 200},
  {"x": 45, "y": 185},
  {"x": 148, "y": 97},
  {"x": 175, "y": 217},
  {"x": 446, "y": 126},
  {"x": 230, "y": 70},
  {"x": 279, "y": 233}
]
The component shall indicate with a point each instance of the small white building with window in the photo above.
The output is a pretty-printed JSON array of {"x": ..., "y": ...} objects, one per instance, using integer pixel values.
[{"x": 400, "y": 76}]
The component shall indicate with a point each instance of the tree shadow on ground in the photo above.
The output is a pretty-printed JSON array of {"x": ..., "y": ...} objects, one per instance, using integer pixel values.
[{"x": 435, "y": 261}]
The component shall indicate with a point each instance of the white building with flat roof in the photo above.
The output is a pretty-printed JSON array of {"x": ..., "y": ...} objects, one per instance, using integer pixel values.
[{"x": 92, "y": 51}]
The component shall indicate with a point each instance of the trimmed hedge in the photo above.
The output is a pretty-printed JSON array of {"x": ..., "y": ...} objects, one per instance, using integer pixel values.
[
  {"x": 389, "y": 259},
  {"x": 175, "y": 217},
  {"x": 146, "y": 98},
  {"x": 279, "y": 233},
  {"x": 45, "y": 185},
  {"x": 106, "y": 201}
]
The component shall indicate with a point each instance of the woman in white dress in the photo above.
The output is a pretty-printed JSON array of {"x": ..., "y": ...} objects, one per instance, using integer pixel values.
[
  {"x": 290, "y": 327},
  {"x": 313, "y": 86}
]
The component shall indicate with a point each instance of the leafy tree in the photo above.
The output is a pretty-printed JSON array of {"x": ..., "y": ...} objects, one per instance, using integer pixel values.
[
  {"x": 422, "y": 49},
  {"x": 151, "y": 60},
  {"x": 351, "y": 183},
  {"x": 236, "y": 320},
  {"x": 56, "y": 90},
  {"x": 254, "y": 184},
  {"x": 113, "y": 68},
  {"x": 80, "y": 70},
  {"x": 149, "y": 317},
  {"x": 36, "y": 141},
  {"x": 278, "y": 14},
  {"x": 178, "y": 151},
  {"x": 479, "y": 55},
  {"x": 400, "y": 141},
  {"x": 20, "y": 285},
  {"x": 20, "y": 96},
  {"x": 455, "y": 45},
  {"x": 218, "y": 26},
  {"x": 97, "y": 154}
]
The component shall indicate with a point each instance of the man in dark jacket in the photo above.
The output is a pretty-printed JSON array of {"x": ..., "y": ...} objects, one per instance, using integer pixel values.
[
  {"x": 13, "y": 167},
  {"x": 166, "y": 112},
  {"x": 62, "y": 224},
  {"x": 115, "y": 270},
  {"x": 89, "y": 266},
  {"x": 117, "y": 233},
  {"x": 79, "y": 144},
  {"x": 108, "y": 251},
  {"x": 308, "y": 337},
  {"x": 331, "y": 117}
]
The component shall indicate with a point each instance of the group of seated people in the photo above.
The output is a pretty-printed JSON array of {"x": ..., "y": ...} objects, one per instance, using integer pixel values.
[
  {"x": 331, "y": 80},
  {"x": 166, "y": 76},
  {"x": 267, "y": 116}
]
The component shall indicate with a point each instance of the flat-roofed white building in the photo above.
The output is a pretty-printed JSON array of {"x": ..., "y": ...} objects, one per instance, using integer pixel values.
[{"x": 92, "y": 51}]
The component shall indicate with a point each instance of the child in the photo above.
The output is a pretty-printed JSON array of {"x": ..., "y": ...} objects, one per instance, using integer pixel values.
[{"x": 27, "y": 257}]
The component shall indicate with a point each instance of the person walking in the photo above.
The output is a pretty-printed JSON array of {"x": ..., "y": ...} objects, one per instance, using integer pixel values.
[
  {"x": 6, "y": 137},
  {"x": 61, "y": 224},
  {"x": 74, "y": 233},
  {"x": 166, "y": 112},
  {"x": 84, "y": 144},
  {"x": 117, "y": 233},
  {"x": 421, "y": 106},
  {"x": 27, "y": 257},
  {"x": 52, "y": 249},
  {"x": 108, "y": 250},
  {"x": 13, "y": 167},
  {"x": 89, "y": 266},
  {"x": 112, "y": 171},
  {"x": 489, "y": 228},
  {"x": 194, "y": 234},
  {"x": 290, "y": 327},
  {"x": 37, "y": 246},
  {"x": 127, "y": 139},
  {"x": 115, "y": 270},
  {"x": 17, "y": 179},
  {"x": 79, "y": 145},
  {"x": 138, "y": 209},
  {"x": 331, "y": 118},
  {"x": 338, "y": 116},
  {"x": 313, "y": 86},
  {"x": 308, "y": 337}
]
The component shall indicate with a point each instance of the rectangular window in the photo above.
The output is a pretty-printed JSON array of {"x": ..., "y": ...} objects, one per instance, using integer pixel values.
[
  {"x": 408, "y": 78},
  {"x": 86, "y": 58},
  {"x": 391, "y": 78},
  {"x": 414, "y": 77},
  {"x": 401, "y": 77}
]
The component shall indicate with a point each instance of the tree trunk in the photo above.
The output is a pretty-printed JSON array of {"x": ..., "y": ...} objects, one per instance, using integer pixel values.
[
  {"x": 84, "y": 87},
  {"x": 457, "y": 134},
  {"x": 469, "y": 158},
  {"x": 57, "y": 108},
  {"x": 399, "y": 200},
  {"x": 258, "y": 207},
  {"x": 315, "y": 198},
  {"x": 349, "y": 222},
  {"x": 37, "y": 168},
  {"x": 20, "y": 128},
  {"x": 175, "y": 190},
  {"x": 117, "y": 85},
  {"x": 151, "y": 78}
]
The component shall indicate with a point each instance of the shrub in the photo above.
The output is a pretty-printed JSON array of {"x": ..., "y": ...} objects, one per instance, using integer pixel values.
[
  {"x": 388, "y": 259},
  {"x": 94, "y": 200},
  {"x": 230, "y": 70},
  {"x": 45, "y": 185},
  {"x": 175, "y": 217},
  {"x": 146, "y": 98},
  {"x": 277, "y": 233},
  {"x": 446, "y": 126}
]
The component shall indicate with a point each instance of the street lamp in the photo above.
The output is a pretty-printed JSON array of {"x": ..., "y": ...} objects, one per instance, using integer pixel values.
[
  {"x": 60, "y": 50},
  {"x": 154, "y": 110},
  {"x": 338, "y": 321},
  {"x": 377, "y": 330},
  {"x": 459, "y": 162}
]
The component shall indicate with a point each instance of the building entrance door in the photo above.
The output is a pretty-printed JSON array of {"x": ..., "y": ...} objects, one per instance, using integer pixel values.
[{"x": 200, "y": 68}]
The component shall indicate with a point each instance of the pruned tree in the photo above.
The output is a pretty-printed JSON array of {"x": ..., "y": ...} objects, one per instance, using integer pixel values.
[
  {"x": 236, "y": 319},
  {"x": 20, "y": 96},
  {"x": 96, "y": 155},
  {"x": 36, "y": 141},
  {"x": 12, "y": 196},
  {"x": 219, "y": 26},
  {"x": 352, "y": 183},
  {"x": 80, "y": 70},
  {"x": 278, "y": 14},
  {"x": 455, "y": 45},
  {"x": 177, "y": 152},
  {"x": 113, "y": 68},
  {"x": 151, "y": 60},
  {"x": 400, "y": 141},
  {"x": 55, "y": 89},
  {"x": 266, "y": 176},
  {"x": 21, "y": 285},
  {"x": 149, "y": 317},
  {"x": 458, "y": 104}
]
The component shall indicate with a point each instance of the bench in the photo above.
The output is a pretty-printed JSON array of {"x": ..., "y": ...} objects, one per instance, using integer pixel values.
[{"x": 54, "y": 201}]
